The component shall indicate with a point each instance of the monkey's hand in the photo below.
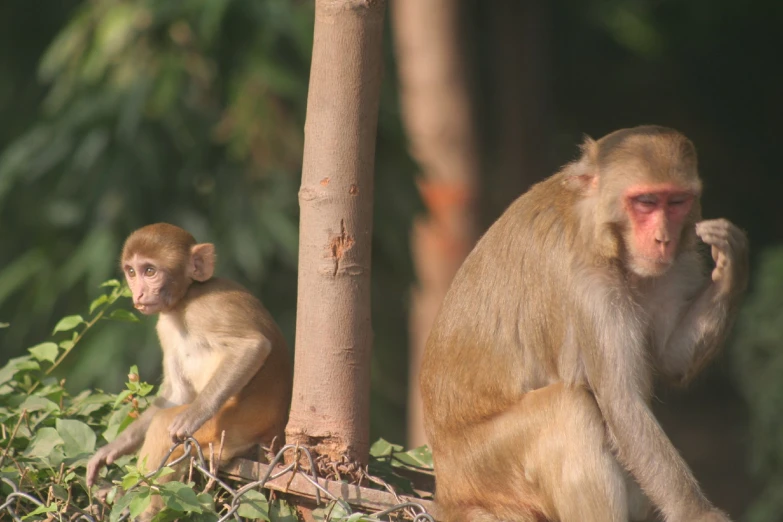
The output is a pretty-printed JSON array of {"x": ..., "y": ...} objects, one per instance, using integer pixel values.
[
  {"x": 104, "y": 456},
  {"x": 730, "y": 252},
  {"x": 188, "y": 421}
]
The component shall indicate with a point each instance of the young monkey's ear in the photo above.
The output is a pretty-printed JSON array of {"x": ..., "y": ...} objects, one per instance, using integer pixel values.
[{"x": 202, "y": 261}]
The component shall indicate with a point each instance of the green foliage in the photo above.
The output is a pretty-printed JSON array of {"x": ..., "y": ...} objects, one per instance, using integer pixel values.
[
  {"x": 49, "y": 434},
  {"x": 189, "y": 112},
  {"x": 389, "y": 463},
  {"x": 758, "y": 356}
]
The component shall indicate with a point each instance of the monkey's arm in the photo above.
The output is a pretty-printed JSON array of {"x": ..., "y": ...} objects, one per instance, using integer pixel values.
[
  {"x": 244, "y": 357},
  {"x": 618, "y": 377},
  {"x": 705, "y": 324},
  {"x": 129, "y": 440}
]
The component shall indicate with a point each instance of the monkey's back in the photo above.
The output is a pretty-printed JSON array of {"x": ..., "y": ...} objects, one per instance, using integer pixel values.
[
  {"x": 234, "y": 310},
  {"x": 501, "y": 321}
]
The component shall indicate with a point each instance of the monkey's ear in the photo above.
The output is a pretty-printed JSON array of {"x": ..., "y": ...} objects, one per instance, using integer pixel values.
[
  {"x": 583, "y": 173},
  {"x": 202, "y": 261}
]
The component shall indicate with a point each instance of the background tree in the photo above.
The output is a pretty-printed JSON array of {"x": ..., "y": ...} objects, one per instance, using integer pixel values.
[{"x": 439, "y": 119}]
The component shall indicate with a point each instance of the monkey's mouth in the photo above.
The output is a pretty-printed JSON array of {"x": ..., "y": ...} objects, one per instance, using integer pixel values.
[{"x": 146, "y": 308}]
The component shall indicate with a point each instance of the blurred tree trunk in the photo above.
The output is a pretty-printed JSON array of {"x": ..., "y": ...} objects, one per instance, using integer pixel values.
[
  {"x": 517, "y": 134},
  {"x": 330, "y": 404},
  {"x": 438, "y": 115}
]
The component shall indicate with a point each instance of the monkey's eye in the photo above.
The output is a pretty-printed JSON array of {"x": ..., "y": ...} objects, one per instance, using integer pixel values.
[
  {"x": 131, "y": 272},
  {"x": 645, "y": 202},
  {"x": 149, "y": 271},
  {"x": 677, "y": 202}
]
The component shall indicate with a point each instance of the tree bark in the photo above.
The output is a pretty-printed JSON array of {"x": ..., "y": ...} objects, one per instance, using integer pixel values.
[
  {"x": 330, "y": 404},
  {"x": 437, "y": 113}
]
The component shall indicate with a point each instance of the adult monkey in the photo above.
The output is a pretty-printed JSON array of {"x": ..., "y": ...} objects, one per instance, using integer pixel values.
[
  {"x": 225, "y": 362},
  {"x": 538, "y": 371}
]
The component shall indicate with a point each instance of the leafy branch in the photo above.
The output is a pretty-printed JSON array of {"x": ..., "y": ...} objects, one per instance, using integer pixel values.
[{"x": 50, "y": 351}]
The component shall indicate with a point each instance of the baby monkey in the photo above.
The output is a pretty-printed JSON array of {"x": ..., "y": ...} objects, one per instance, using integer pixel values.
[{"x": 225, "y": 363}]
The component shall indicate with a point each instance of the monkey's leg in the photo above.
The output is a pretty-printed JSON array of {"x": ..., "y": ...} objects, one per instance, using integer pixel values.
[
  {"x": 157, "y": 444},
  {"x": 242, "y": 432},
  {"x": 545, "y": 458},
  {"x": 568, "y": 455}
]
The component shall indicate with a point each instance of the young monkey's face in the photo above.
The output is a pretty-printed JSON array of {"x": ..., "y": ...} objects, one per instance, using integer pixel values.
[{"x": 151, "y": 285}]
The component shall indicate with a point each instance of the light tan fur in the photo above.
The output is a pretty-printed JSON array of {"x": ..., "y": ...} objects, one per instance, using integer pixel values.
[{"x": 539, "y": 368}]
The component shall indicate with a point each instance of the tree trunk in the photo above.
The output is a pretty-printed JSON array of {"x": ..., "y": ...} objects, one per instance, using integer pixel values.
[
  {"x": 330, "y": 404},
  {"x": 517, "y": 145},
  {"x": 437, "y": 113}
]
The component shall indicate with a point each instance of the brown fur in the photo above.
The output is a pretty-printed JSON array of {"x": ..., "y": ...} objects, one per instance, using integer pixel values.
[
  {"x": 225, "y": 363},
  {"x": 538, "y": 370}
]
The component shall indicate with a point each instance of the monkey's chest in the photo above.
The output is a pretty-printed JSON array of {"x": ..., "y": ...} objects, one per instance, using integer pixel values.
[{"x": 191, "y": 364}]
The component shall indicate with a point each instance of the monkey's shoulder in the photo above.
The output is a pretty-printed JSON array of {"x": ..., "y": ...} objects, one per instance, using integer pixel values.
[
  {"x": 227, "y": 305},
  {"x": 542, "y": 220}
]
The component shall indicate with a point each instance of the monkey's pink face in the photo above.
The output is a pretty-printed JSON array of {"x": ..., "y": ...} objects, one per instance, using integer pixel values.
[
  {"x": 657, "y": 214},
  {"x": 148, "y": 283}
]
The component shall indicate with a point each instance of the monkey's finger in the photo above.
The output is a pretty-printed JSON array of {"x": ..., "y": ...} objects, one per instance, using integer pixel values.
[
  {"x": 718, "y": 227},
  {"x": 721, "y": 259},
  {"x": 92, "y": 472},
  {"x": 738, "y": 238},
  {"x": 735, "y": 235},
  {"x": 716, "y": 240},
  {"x": 719, "y": 223}
]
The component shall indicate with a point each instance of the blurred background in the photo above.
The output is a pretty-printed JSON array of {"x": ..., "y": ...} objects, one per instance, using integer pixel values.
[{"x": 119, "y": 113}]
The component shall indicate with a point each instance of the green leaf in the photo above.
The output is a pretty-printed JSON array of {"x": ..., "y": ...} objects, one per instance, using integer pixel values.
[
  {"x": 123, "y": 315},
  {"x": 67, "y": 344},
  {"x": 417, "y": 457},
  {"x": 180, "y": 497},
  {"x": 16, "y": 365},
  {"x": 110, "y": 282},
  {"x": 59, "y": 492},
  {"x": 46, "y": 439},
  {"x": 122, "y": 503},
  {"x": 282, "y": 511},
  {"x": 98, "y": 302},
  {"x": 162, "y": 472},
  {"x": 78, "y": 437},
  {"x": 356, "y": 517},
  {"x": 45, "y": 351},
  {"x": 206, "y": 501},
  {"x": 117, "y": 422},
  {"x": 40, "y": 510},
  {"x": 5, "y": 325},
  {"x": 141, "y": 389},
  {"x": 68, "y": 323},
  {"x": 89, "y": 403},
  {"x": 254, "y": 504},
  {"x": 124, "y": 394},
  {"x": 126, "y": 292},
  {"x": 334, "y": 511},
  {"x": 131, "y": 478},
  {"x": 35, "y": 403},
  {"x": 383, "y": 448},
  {"x": 139, "y": 504}
]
